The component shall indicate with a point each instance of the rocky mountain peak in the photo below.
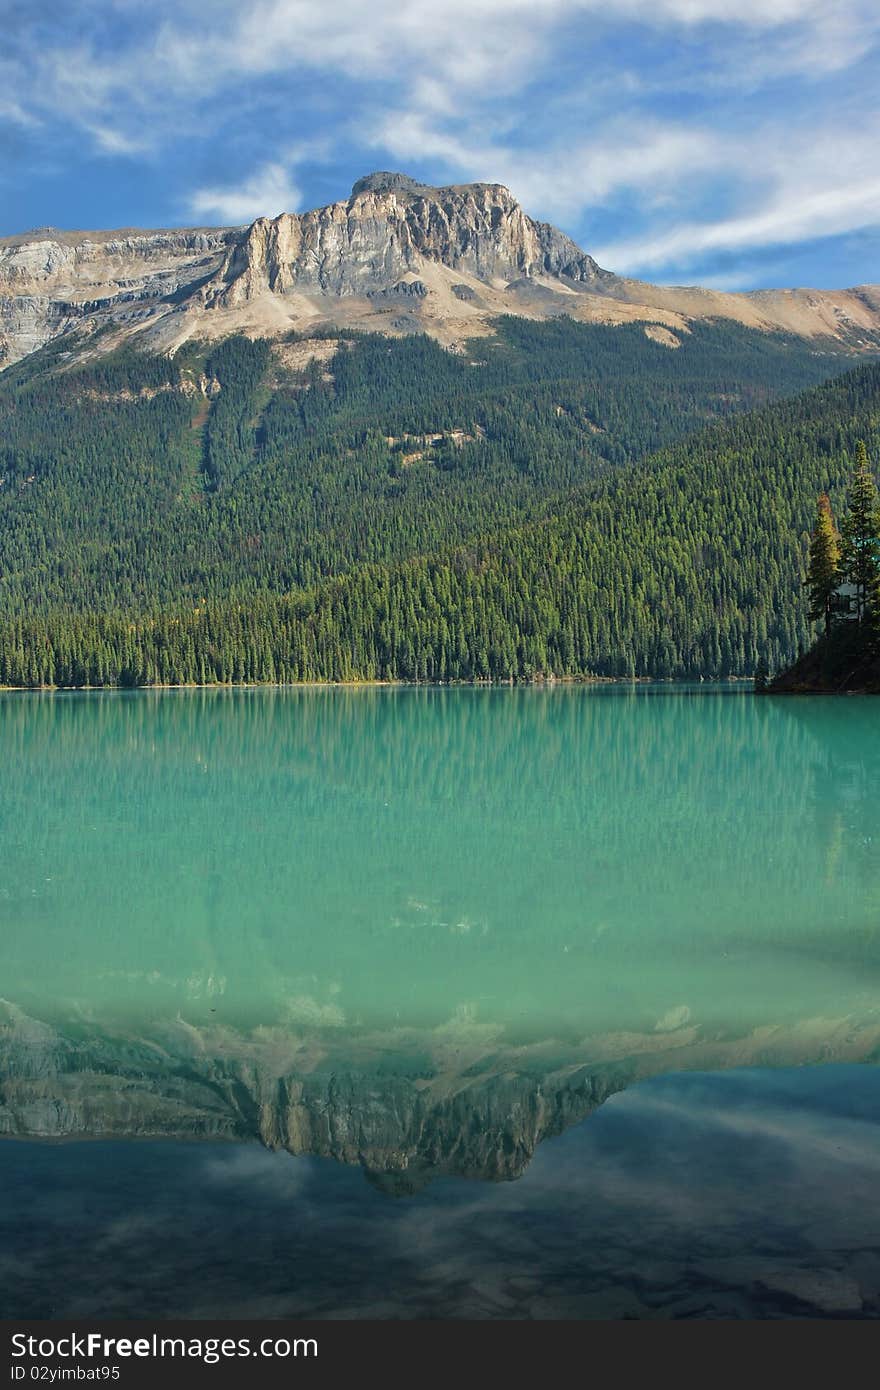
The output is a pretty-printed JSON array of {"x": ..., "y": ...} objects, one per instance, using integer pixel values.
[
  {"x": 386, "y": 182},
  {"x": 396, "y": 256},
  {"x": 392, "y": 228}
]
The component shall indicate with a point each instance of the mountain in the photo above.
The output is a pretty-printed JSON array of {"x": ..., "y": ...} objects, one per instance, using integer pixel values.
[
  {"x": 396, "y": 257},
  {"x": 415, "y": 435}
]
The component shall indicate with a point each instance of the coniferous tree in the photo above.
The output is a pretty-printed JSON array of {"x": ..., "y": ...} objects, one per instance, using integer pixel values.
[
  {"x": 762, "y": 676},
  {"x": 257, "y": 532},
  {"x": 860, "y": 537},
  {"x": 823, "y": 571}
]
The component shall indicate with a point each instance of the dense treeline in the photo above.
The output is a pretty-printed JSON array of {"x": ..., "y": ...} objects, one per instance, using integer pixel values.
[
  {"x": 238, "y": 368},
  {"x": 689, "y": 564},
  {"x": 397, "y": 511},
  {"x": 124, "y": 486}
]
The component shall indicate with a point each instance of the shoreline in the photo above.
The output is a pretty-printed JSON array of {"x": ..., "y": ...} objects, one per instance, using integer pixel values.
[
  {"x": 820, "y": 690},
  {"x": 840, "y": 663},
  {"x": 487, "y": 684}
]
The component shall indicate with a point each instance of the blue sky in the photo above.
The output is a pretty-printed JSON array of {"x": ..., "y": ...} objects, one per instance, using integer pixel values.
[{"x": 679, "y": 140}]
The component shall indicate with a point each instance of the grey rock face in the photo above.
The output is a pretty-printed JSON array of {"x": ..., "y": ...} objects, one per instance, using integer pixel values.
[
  {"x": 391, "y": 227},
  {"x": 51, "y": 282},
  {"x": 409, "y": 289},
  {"x": 397, "y": 256}
]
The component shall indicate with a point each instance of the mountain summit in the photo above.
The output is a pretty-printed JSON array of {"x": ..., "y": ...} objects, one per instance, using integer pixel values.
[
  {"x": 384, "y": 181},
  {"x": 397, "y": 256},
  {"x": 391, "y": 231}
]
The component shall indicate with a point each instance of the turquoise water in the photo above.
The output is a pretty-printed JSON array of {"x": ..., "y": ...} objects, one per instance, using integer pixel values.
[
  {"x": 573, "y": 943},
  {"x": 535, "y": 861}
]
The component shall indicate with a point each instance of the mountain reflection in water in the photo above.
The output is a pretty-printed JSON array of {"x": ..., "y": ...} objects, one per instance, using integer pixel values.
[
  {"x": 738, "y": 1194},
  {"x": 407, "y": 1105},
  {"x": 419, "y": 933}
]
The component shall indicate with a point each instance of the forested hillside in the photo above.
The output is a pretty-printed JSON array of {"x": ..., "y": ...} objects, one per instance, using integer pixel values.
[{"x": 395, "y": 511}]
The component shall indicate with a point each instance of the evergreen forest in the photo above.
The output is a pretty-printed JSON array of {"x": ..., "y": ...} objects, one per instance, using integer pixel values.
[{"x": 561, "y": 500}]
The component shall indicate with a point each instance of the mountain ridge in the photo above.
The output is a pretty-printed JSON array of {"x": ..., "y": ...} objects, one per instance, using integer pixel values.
[{"x": 397, "y": 256}]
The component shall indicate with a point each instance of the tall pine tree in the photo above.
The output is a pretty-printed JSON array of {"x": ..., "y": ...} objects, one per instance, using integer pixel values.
[
  {"x": 860, "y": 537},
  {"x": 823, "y": 572}
]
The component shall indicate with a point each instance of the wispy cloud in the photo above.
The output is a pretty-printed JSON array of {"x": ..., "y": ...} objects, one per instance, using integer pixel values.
[
  {"x": 637, "y": 156},
  {"x": 662, "y": 132},
  {"x": 13, "y": 112},
  {"x": 111, "y": 141},
  {"x": 813, "y": 187},
  {"x": 267, "y": 192}
]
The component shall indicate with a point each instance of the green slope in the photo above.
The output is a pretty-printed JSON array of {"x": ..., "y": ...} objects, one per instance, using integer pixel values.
[
  {"x": 271, "y": 531},
  {"x": 120, "y": 490}
]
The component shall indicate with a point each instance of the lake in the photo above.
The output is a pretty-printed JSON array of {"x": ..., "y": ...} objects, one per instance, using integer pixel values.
[{"x": 439, "y": 1002}]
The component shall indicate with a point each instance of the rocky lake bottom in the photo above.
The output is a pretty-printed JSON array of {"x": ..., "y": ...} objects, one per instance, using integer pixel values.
[{"x": 747, "y": 1195}]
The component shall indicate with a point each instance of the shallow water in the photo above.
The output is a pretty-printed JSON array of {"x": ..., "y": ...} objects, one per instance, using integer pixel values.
[{"x": 411, "y": 935}]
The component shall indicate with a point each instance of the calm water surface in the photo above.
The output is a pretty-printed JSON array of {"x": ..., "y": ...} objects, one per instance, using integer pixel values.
[{"x": 478, "y": 1002}]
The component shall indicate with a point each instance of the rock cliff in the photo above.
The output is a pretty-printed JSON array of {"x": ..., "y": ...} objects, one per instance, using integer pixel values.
[
  {"x": 388, "y": 229},
  {"x": 53, "y": 281},
  {"x": 396, "y": 256}
]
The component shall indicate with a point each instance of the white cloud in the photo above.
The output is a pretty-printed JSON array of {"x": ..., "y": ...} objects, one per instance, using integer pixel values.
[
  {"x": 12, "y": 111},
  {"x": 456, "y": 46},
  {"x": 816, "y": 213},
  {"x": 813, "y": 187},
  {"x": 642, "y": 156},
  {"x": 673, "y": 109},
  {"x": 267, "y": 192},
  {"x": 110, "y": 141}
]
